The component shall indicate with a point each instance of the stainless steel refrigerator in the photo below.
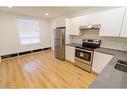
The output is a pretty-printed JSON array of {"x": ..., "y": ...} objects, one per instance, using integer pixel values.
[{"x": 59, "y": 43}]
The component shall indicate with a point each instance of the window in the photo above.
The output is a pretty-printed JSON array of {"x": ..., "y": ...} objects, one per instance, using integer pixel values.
[{"x": 28, "y": 31}]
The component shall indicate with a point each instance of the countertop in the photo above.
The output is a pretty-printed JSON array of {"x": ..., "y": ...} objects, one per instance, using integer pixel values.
[
  {"x": 110, "y": 77},
  {"x": 73, "y": 44}
]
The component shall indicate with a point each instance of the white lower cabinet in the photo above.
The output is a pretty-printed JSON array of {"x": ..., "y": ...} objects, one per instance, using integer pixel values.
[
  {"x": 70, "y": 53},
  {"x": 100, "y": 60}
]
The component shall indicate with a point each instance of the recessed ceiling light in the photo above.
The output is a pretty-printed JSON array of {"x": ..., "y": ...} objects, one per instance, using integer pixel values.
[
  {"x": 46, "y": 14},
  {"x": 9, "y": 6}
]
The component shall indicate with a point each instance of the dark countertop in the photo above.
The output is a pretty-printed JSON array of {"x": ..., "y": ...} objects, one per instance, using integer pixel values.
[
  {"x": 73, "y": 44},
  {"x": 110, "y": 77}
]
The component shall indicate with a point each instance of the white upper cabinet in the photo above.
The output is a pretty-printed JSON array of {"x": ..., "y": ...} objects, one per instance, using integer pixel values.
[
  {"x": 124, "y": 26},
  {"x": 91, "y": 19},
  {"x": 67, "y": 38},
  {"x": 95, "y": 18},
  {"x": 112, "y": 22},
  {"x": 72, "y": 26},
  {"x": 67, "y": 26},
  {"x": 60, "y": 22},
  {"x": 84, "y": 20},
  {"x": 74, "y": 22}
]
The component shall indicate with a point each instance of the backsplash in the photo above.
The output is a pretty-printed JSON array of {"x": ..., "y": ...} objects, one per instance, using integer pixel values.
[
  {"x": 107, "y": 42},
  {"x": 114, "y": 43}
]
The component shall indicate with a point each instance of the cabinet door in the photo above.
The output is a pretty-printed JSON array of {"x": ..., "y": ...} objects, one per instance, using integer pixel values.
[
  {"x": 70, "y": 53},
  {"x": 100, "y": 60},
  {"x": 84, "y": 20},
  {"x": 124, "y": 26},
  {"x": 74, "y": 24},
  {"x": 68, "y": 39},
  {"x": 95, "y": 18},
  {"x": 67, "y": 27},
  {"x": 60, "y": 22},
  {"x": 112, "y": 22}
]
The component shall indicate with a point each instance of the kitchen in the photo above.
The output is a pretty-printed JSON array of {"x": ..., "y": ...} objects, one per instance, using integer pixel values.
[
  {"x": 107, "y": 30},
  {"x": 91, "y": 43}
]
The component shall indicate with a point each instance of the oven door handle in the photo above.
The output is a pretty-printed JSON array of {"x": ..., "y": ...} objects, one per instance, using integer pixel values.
[{"x": 84, "y": 50}]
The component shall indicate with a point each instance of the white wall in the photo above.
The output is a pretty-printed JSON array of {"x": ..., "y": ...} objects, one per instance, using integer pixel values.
[{"x": 9, "y": 37}]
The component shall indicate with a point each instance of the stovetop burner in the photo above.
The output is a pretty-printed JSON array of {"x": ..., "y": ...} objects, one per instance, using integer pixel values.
[{"x": 90, "y": 44}]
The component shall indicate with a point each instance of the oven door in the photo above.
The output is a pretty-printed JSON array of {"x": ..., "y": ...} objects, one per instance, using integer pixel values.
[{"x": 84, "y": 56}]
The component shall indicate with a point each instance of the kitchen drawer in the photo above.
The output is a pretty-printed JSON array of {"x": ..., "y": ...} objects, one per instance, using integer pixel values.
[{"x": 82, "y": 65}]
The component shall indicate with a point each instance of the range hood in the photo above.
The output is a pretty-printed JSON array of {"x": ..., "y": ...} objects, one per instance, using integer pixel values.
[{"x": 87, "y": 27}]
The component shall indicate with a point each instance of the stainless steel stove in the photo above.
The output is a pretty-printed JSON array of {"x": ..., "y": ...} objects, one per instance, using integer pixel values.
[{"x": 84, "y": 53}]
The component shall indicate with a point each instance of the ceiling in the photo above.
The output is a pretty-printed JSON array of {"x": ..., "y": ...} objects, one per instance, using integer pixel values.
[{"x": 40, "y": 11}]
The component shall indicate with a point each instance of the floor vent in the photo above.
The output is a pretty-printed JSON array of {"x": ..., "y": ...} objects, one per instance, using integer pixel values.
[
  {"x": 47, "y": 48},
  {"x": 9, "y": 56},
  {"x": 36, "y": 50},
  {"x": 23, "y": 53}
]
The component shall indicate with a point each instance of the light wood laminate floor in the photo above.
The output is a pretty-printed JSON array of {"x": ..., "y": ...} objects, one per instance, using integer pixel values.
[{"x": 42, "y": 70}]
